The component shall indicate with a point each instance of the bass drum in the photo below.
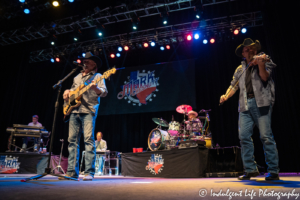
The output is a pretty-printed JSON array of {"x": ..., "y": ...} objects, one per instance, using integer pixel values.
[{"x": 157, "y": 138}]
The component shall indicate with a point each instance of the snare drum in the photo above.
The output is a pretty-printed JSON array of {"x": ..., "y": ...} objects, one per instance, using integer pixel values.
[
  {"x": 156, "y": 139},
  {"x": 174, "y": 128}
]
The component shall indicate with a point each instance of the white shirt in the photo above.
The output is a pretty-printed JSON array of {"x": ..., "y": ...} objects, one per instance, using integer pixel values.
[
  {"x": 37, "y": 124},
  {"x": 101, "y": 146}
]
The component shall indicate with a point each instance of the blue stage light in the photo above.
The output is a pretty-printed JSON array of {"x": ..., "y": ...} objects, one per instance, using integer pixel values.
[
  {"x": 52, "y": 60},
  {"x": 152, "y": 44},
  {"x": 26, "y": 11},
  {"x": 22, "y": 1},
  {"x": 83, "y": 54},
  {"x": 100, "y": 33},
  {"x": 118, "y": 54},
  {"x": 165, "y": 22},
  {"x": 71, "y": 1},
  {"x": 162, "y": 48},
  {"x": 196, "y": 36},
  {"x": 205, "y": 41},
  {"x": 244, "y": 30},
  {"x": 198, "y": 16},
  {"x": 134, "y": 27},
  {"x": 120, "y": 48}
]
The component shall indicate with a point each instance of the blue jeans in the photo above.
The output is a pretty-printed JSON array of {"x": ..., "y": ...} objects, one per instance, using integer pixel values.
[
  {"x": 87, "y": 122},
  {"x": 261, "y": 117}
]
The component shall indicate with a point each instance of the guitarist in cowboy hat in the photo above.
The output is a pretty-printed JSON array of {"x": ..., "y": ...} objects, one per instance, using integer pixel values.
[
  {"x": 84, "y": 117},
  {"x": 256, "y": 99}
]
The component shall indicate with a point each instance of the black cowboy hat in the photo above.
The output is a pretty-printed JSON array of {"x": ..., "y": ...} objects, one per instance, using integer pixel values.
[
  {"x": 96, "y": 59},
  {"x": 247, "y": 42}
]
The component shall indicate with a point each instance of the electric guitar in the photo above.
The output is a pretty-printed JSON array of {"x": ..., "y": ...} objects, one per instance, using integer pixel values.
[{"x": 75, "y": 96}]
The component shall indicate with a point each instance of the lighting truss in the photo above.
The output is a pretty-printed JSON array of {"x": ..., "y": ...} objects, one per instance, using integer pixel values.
[
  {"x": 216, "y": 25},
  {"x": 105, "y": 16}
]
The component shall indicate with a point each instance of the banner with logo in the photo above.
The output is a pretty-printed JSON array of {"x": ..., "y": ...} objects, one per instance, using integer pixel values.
[{"x": 151, "y": 88}]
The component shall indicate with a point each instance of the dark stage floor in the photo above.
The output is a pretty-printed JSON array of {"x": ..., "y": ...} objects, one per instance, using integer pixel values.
[{"x": 119, "y": 187}]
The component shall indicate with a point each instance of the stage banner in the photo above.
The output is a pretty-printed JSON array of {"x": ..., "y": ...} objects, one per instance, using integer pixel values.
[{"x": 151, "y": 88}]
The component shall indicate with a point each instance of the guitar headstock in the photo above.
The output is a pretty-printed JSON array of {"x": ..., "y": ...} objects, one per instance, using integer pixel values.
[{"x": 109, "y": 72}]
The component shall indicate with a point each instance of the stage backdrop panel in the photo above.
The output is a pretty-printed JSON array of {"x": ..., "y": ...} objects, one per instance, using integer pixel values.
[{"x": 151, "y": 88}]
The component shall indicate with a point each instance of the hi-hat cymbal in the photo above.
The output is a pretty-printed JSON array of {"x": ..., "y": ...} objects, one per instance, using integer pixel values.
[
  {"x": 160, "y": 122},
  {"x": 184, "y": 109}
]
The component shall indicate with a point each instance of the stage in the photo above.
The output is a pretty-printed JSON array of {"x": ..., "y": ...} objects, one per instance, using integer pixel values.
[{"x": 119, "y": 187}]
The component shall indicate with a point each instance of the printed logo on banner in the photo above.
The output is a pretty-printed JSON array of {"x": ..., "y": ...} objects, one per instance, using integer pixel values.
[
  {"x": 140, "y": 88},
  {"x": 155, "y": 164},
  {"x": 9, "y": 165}
]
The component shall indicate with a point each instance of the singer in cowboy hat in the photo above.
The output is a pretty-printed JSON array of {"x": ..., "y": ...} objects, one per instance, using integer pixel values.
[
  {"x": 256, "y": 99},
  {"x": 84, "y": 117}
]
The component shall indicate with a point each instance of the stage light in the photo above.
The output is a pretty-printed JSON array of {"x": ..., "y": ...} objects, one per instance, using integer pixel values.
[
  {"x": 168, "y": 47},
  {"x": 198, "y": 16},
  {"x": 236, "y": 31},
  {"x": 196, "y": 36},
  {"x": 162, "y": 48},
  {"x": 118, "y": 54},
  {"x": 75, "y": 39},
  {"x": 188, "y": 37},
  {"x": 52, "y": 43},
  {"x": 78, "y": 61},
  {"x": 126, "y": 48},
  {"x": 244, "y": 30},
  {"x": 55, "y": 3},
  {"x": 205, "y": 41},
  {"x": 120, "y": 48},
  {"x": 57, "y": 59},
  {"x": 26, "y": 11},
  {"x": 165, "y": 22},
  {"x": 152, "y": 44},
  {"x": 52, "y": 60},
  {"x": 100, "y": 33},
  {"x": 71, "y": 1},
  {"x": 112, "y": 55},
  {"x": 134, "y": 27},
  {"x": 146, "y": 44},
  {"x": 22, "y": 1},
  {"x": 212, "y": 40}
]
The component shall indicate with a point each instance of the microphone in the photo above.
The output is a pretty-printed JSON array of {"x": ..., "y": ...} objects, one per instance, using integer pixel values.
[{"x": 78, "y": 64}]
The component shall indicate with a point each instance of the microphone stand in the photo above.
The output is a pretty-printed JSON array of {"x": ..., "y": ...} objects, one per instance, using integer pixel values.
[{"x": 48, "y": 169}]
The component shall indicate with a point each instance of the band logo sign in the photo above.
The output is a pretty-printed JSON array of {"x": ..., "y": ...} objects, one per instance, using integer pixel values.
[
  {"x": 140, "y": 88},
  {"x": 155, "y": 164},
  {"x": 8, "y": 165}
]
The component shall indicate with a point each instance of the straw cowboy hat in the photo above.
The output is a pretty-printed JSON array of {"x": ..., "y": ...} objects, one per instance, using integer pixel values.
[
  {"x": 247, "y": 42},
  {"x": 192, "y": 113}
]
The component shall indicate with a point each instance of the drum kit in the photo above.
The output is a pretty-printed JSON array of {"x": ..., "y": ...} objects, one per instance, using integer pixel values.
[{"x": 189, "y": 133}]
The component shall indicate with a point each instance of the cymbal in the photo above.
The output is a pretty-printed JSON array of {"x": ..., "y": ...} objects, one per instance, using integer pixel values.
[
  {"x": 160, "y": 122},
  {"x": 184, "y": 109}
]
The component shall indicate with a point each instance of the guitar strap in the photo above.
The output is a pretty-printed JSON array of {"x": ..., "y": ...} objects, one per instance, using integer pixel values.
[{"x": 90, "y": 79}]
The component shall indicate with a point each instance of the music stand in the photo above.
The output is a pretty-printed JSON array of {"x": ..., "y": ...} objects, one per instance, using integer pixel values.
[{"x": 48, "y": 169}]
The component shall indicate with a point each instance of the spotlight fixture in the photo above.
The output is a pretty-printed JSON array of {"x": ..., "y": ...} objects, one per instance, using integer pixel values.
[
  {"x": 146, "y": 44},
  {"x": 196, "y": 36},
  {"x": 135, "y": 21},
  {"x": 236, "y": 31},
  {"x": 26, "y": 11},
  {"x": 22, "y": 1},
  {"x": 118, "y": 54},
  {"x": 83, "y": 54},
  {"x": 78, "y": 61},
  {"x": 164, "y": 16},
  {"x": 168, "y": 47},
  {"x": 205, "y": 41},
  {"x": 244, "y": 30},
  {"x": 120, "y": 48},
  {"x": 126, "y": 48},
  {"x": 55, "y": 3},
  {"x": 100, "y": 33},
  {"x": 189, "y": 37},
  {"x": 152, "y": 44},
  {"x": 75, "y": 39},
  {"x": 52, "y": 43},
  {"x": 162, "y": 48},
  {"x": 71, "y": 1},
  {"x": 134, "y": 27},
  {"x": 112, "y": 55},
  {"x": 52, "y": 60},
  {"x": 57, "y": 59},
  {"x": 165, "y": 22},
  {"x": 212, "y": 40}
]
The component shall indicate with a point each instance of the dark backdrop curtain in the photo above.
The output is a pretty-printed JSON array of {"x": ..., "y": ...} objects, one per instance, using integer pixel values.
[{"x": 27, "y": 90}]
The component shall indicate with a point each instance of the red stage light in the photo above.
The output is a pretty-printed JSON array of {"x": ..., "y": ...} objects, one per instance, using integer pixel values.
[
  {"x": 236, "y": 31},
  {"x": 112, "y": 55},
  {"x": 78, "y": 60},
  {"x": 188, "y": 37},
  {"x": 146, "y": 44},
  {"x": 212, "y": 40},
  {"x": 57, "y": 59},
  {"x": 168, "y": 47},
  {"x": 126, "y": 48}
]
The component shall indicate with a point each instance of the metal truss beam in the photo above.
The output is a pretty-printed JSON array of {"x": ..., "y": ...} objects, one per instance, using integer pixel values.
[
  {"x": 210, "y": 26},
  {"x": 106, "y": 16}
]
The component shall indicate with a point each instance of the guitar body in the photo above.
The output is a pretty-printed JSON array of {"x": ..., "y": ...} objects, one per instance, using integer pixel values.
[{"x": 70, "y": 105}]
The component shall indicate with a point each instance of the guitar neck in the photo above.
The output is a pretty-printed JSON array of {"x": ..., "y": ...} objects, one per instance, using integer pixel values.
[{"x": 83, "y": 90}]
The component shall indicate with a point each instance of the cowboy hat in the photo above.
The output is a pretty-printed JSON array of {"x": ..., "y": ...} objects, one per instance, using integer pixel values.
[
  {"x": 247, "y": 42},
  {"x": 192, "y": 113},
  {"x": 96, "y": 59}
]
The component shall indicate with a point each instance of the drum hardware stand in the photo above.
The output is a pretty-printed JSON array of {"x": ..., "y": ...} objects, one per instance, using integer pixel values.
[
  {"x": 59, "y": 166},
  {"x": 48, "y": 169}
]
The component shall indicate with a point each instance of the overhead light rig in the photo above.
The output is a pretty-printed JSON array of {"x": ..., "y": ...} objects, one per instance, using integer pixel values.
[
  {"x": 105, "y": 16},
  {"x": 172, "y": 32}
]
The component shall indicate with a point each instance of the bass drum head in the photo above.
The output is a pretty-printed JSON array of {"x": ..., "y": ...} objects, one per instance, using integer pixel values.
[{"x": 156, "y": 139}]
